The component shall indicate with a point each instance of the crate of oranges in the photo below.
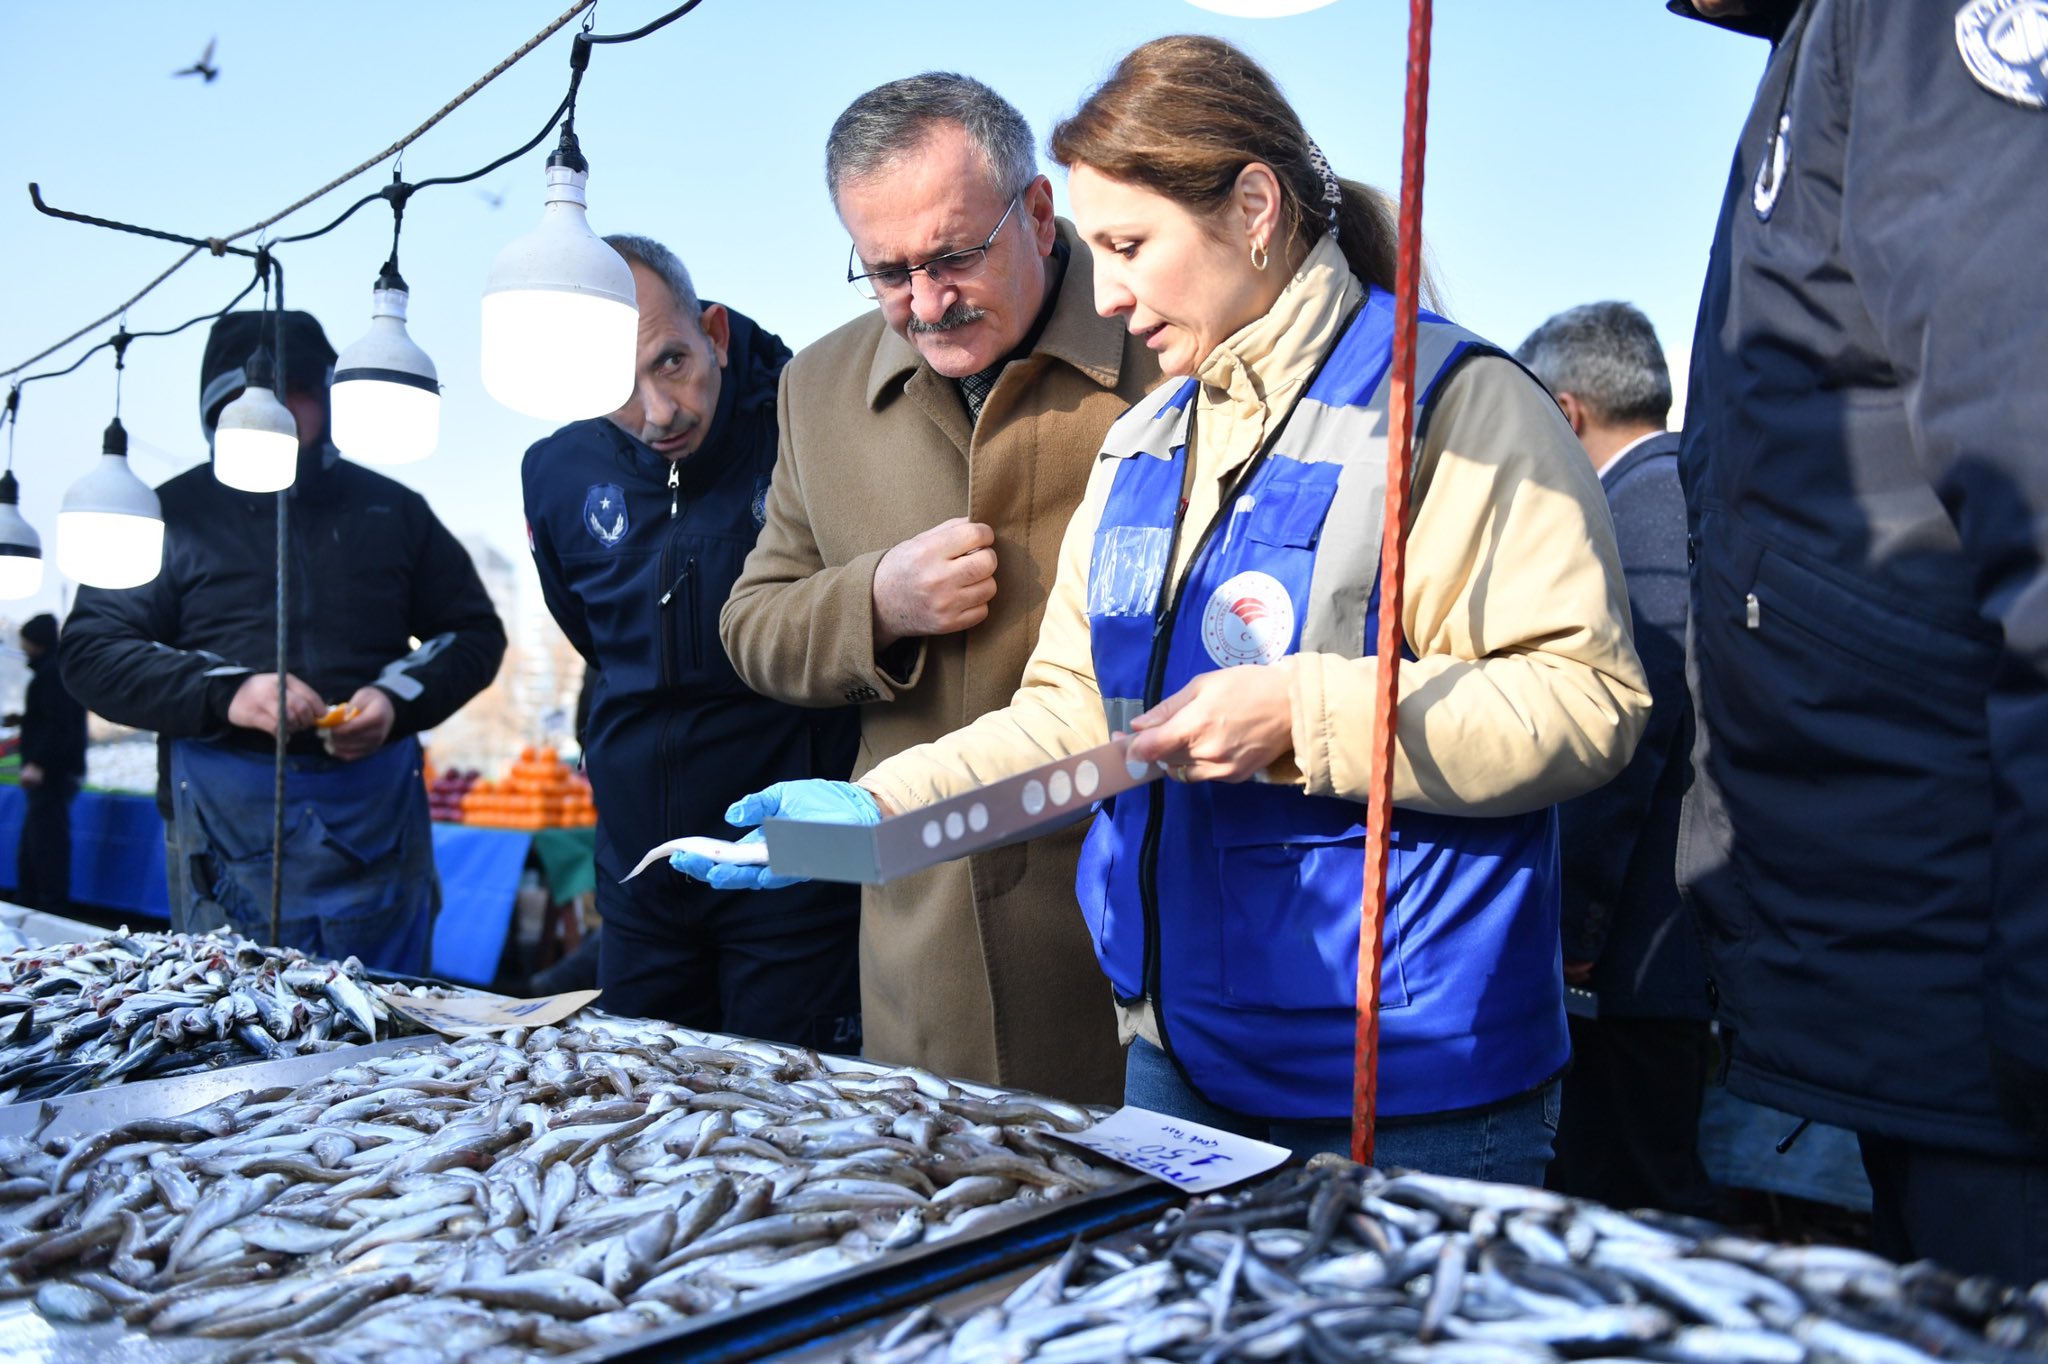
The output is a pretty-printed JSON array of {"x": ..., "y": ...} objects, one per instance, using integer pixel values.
[{"x": 539, "y": 791}]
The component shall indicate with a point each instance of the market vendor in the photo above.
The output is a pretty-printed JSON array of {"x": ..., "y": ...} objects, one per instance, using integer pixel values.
[{"x": 388, "y": 621}]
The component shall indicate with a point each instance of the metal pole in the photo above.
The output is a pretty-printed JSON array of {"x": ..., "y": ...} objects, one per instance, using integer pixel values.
[{"x": 1400, "y": 435}]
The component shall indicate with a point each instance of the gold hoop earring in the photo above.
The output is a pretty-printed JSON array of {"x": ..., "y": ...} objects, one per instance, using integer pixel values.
[{"x": 1259, "y": 256}]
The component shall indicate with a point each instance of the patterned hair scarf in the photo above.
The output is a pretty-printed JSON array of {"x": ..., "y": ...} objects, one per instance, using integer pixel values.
[{"x": 1333, "y": 193}]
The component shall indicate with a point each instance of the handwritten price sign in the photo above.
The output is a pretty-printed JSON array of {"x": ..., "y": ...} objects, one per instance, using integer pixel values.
[{"x": 1184, "y": 1154}]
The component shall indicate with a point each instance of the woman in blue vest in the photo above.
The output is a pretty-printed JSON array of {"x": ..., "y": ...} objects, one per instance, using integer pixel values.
[{"x": 1216, "y": 598}]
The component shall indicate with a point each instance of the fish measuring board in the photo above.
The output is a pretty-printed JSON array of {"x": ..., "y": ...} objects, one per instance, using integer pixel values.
[{"x": 1034, "y": 802}]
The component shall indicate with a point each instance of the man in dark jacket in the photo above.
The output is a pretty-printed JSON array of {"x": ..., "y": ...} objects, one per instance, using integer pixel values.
[
  {"x": 387, "y": 620},
  {"x": 639, "y": 523},
  {"x": 1629, "y": 1130},
  {"x": 52, "y": 765},
  {"x": 1867, "y": 479}
]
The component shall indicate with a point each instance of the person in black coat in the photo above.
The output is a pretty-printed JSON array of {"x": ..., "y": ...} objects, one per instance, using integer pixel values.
[
  {"x": 639, "y": 524},
  {"x": 1629, "y": 1131},
  {"x": 1866, "y": 478},
  {"x": 388, "y": 620},
  {"x": 52, "y": 766}
]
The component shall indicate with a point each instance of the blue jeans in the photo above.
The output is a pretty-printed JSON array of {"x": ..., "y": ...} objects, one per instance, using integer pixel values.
[{"x": 1509, "y": 1143}]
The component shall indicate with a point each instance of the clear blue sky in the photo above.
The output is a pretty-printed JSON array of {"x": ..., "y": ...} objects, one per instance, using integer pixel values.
[{"x": 1577, "y": 150}]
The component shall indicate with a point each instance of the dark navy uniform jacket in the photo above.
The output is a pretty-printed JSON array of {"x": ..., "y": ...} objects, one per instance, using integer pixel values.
[
  {"x": 635, "y": 572},
  {"x": 1621, "y": 907},
  {"x": 1866, "y": 470}
]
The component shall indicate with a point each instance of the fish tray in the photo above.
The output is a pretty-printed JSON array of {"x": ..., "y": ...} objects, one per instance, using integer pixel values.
[
  {"x": 764, "y": 1323},
  {"x": 24, "y": 1334},
  {"x": 1489, "y": 1272},
  {"x": 810, "y": 1321}
]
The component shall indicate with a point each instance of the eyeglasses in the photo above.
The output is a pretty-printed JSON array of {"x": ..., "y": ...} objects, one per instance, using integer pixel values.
[{"x": 954, "y": 267}]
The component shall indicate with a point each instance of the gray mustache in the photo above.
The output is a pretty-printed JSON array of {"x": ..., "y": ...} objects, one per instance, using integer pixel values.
[{"x": 959, "y": 315}]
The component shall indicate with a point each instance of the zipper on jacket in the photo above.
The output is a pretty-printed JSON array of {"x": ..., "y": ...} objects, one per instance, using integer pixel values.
[
  {"x": 1151, "y": 980},
  {"x": 686, "y": 582},
  {"x": 1155, "y": 683},
  {"x": 675, "y": 481},
  {"x": 682, "y": 580}
]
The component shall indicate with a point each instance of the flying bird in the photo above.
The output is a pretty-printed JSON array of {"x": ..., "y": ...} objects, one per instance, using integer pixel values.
[
  {"x": 204, "y": 66},
  {"x": 496, "y": 200}
]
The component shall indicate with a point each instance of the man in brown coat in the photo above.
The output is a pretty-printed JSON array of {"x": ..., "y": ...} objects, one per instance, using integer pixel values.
[{"x": 932, "y": 453}]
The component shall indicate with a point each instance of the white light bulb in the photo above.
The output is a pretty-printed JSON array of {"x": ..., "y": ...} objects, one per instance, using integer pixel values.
[
  {"x": 110, "y": 527},
  {"x": 21, "y": 549},
  {"x": 560, "y": 323},
  {"x": 256, "y": 443},
  {"x": 386, "y": 398},
  {"x": 20, "y": 577}
]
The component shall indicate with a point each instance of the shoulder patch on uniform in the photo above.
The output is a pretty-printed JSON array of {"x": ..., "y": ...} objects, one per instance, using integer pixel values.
[
  {"x": 604, "y": 513},
  {"x": 2005, "y": 48}
]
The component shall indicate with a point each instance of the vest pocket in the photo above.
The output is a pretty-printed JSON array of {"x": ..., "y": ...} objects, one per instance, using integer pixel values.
[
  {"x": 1118, "y": 938},
  {"x": 1128, "y": 570},
  {"x": 1290, "y": 871},
  {"x": 1290, "y": 513}
]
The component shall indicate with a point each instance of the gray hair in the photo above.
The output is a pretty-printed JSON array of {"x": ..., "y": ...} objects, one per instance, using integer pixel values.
[
  {"x": 891, "y": 121},
  {"x": 651, "y": 255},
  {"x": 1606, "y": 355}
]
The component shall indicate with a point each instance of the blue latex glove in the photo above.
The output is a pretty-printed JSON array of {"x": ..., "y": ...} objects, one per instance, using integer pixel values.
[{"x": 824, "y": 802}]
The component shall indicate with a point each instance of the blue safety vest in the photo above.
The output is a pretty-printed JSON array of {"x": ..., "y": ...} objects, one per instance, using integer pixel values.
[{"x": 1235, "y": 908}]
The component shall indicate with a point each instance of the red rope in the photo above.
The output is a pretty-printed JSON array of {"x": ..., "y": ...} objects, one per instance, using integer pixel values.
[{"x": 1400, "y": 432}]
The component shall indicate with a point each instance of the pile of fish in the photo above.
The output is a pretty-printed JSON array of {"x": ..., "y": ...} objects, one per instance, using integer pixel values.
[
  {"x": 506, "y": 1198},
  {"x": 144, "y": 1006},
  {"x": 1342, "y": 1262}
]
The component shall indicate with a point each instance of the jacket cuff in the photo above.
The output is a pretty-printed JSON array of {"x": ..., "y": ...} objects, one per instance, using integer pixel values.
[
  {"x": 219, "y": 695},
  {"x": 893, "y": 797},
  {"x": 401, "y": 721},
  {"x": 901, "y": 665},
  {"x": 1326, "y": 686},
  {"x": 876, "y": 676}
]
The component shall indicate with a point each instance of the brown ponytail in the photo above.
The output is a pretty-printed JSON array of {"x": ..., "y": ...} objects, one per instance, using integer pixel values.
[{"x": 1182, "y": 116}]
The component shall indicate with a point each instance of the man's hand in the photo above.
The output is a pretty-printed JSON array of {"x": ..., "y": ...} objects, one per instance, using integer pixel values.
[
  {"x": 1578, "y": 973},
  {"x": 364, "y": 732},
  {"x": 935, "y": 583},
  {"x": 1227, "y": 725},
  {"x": 31, "y": 776},
  {"x": 255, "y": 704}
]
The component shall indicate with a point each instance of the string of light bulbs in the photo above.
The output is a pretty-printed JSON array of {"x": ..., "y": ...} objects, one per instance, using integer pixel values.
[{"x": 559, "y": 320}]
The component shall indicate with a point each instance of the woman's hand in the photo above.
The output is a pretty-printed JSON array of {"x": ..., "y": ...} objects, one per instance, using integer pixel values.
[{"x": 1228, "y": 725}]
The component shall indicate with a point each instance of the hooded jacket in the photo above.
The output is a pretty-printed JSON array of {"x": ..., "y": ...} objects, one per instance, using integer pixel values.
[{"x": 635, "y": 570}]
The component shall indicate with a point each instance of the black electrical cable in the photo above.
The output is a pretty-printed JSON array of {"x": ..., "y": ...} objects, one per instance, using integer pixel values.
[
  {"x": 131, "y": 336},
  {"x": 641, "y": 32},
  {"x": 397, "y": 193}
]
